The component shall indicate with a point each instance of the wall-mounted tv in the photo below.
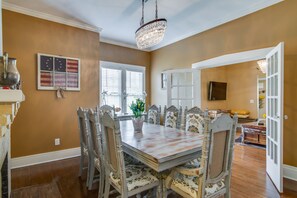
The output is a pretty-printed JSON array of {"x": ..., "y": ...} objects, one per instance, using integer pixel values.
[{"x": 217, "y": 90}]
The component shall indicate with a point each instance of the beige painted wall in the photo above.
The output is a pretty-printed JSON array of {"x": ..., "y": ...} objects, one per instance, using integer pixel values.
[
  {"x": 43, "y": 117},
  {"x": 118, "y": 54},
  {"x": 218, "y": 74},
  {"x": 242, "y": 87},
  {"x": 265, "y": 28},
  {"x": 241, "y": 82}
]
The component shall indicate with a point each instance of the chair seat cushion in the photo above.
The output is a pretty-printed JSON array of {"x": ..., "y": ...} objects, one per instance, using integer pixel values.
[
  {"x": 129, "y": 160},
  {"x": 192, "y": 164},
  {"x": 136, "y": 176},
  {"x": 189, "y": 185}
]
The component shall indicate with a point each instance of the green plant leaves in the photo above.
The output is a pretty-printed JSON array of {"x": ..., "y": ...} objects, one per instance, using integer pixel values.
[{"x": 137, "y": 107}]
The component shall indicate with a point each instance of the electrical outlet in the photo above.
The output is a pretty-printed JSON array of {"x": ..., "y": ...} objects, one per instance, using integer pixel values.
[
  {"x": 57, "y": 141},
  {"x": 252, "y": 101}
]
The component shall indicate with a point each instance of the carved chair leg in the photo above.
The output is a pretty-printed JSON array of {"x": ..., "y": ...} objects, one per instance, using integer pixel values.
[
  {"x": 91, "y": 176},
  {"x": 101, "y": 184},
  {"x": 88, "y": 172},
  {"x": 82, "y": 157},
  {"x": 107, "y": 187}
]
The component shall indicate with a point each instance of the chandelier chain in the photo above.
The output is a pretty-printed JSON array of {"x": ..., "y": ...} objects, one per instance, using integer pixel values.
[
  {"x": 156, "y": 9},
  {"x": 142, "y": 18}
]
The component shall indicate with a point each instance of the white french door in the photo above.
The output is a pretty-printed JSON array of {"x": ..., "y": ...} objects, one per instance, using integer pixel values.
[
  {"x": 183, "y": 88},
  {"x": 274, "y": 120}
]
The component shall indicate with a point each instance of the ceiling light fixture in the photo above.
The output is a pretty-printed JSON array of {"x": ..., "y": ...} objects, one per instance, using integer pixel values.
[
  {"x": 151, "y": 33},
  {"x": 263, "y": 65}
]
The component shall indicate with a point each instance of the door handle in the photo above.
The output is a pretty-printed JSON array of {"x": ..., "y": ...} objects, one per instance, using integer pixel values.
[{"x": 286, "y": 117}]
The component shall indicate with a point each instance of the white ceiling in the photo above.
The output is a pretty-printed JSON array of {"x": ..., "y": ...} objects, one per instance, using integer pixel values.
[{"x": 119, "y": 19}]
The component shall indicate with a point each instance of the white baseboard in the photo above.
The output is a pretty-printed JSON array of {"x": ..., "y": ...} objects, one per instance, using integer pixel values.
[
  {"x": 29, "y": 160},
  {"x": 290, "y": 172}
]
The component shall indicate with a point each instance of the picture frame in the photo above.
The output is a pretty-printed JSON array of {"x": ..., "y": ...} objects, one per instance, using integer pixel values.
[
  {"x": 163, "y": 81},
  {"x": 58, "y": 72}
]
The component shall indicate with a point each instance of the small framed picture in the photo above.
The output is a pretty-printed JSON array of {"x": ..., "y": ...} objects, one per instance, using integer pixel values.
[{"x": 163, "y": 81}]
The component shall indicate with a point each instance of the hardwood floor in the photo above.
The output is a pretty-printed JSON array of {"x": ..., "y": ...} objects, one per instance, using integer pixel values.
[{"x": 249, "y": 179}]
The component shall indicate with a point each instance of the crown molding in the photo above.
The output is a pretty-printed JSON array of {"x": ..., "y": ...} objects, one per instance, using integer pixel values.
[
  {"x": 49, "y": 17},
  {"x": 118, "y": 43},
  {"x": 221, "y": 20}
]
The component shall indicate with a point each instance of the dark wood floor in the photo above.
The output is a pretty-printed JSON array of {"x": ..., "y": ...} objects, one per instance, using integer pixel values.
[{"x": 248, "y": 178}]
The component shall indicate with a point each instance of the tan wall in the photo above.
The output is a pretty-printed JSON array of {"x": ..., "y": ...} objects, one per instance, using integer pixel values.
[
  {"x": 265, "y": 28},
  {"x": 241, "y": 82},
  {"x": 218, "y": 74},
  {"x": 43, "y": 117},
  {"x": 242, "y": 87},
  {"x": 290, "y": 109},
  {"x": 118, "y": 54}
]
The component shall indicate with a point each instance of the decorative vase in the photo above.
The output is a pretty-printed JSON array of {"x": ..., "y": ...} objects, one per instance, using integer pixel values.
[
  {"x": 138, "y": 123},
  {"x": 9, "y": 74}
]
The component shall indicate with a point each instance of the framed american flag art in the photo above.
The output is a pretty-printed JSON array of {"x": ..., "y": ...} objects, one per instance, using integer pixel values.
[{"x": 55, "y": 72}]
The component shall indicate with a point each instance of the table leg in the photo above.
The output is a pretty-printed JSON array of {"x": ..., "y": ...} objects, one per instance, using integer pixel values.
[{"x": 159, "y": 190}]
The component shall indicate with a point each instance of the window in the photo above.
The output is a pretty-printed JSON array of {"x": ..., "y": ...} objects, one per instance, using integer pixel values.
[{"x": 121, "y": 84}]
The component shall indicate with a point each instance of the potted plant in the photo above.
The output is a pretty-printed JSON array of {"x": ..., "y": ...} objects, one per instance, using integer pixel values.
[{"x": 137, "y": 108}]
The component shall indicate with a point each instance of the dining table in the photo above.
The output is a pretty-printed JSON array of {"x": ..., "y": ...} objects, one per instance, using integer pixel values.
[{"x": 159, "y": 147}]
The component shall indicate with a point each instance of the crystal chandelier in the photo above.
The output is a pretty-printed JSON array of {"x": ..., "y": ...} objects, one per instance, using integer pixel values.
[
  {"x": 151, "y": 33},
  {"x": 263, "y": 65}
]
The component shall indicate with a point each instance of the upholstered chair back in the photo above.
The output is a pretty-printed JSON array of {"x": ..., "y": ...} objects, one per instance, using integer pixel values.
[
  {"x": 193, "y": 120},
  {"x": 112, "y": 146},
  {"x": 96, "y": 134},
  {"x": 172, "y": 117},
  {"x": 153, "y": 115},
  {"x": 217, "y": 151},
  {"x": 82, "y": 125}
]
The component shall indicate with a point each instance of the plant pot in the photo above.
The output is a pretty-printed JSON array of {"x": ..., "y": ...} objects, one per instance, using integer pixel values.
[{"x": 138, "y": 123}]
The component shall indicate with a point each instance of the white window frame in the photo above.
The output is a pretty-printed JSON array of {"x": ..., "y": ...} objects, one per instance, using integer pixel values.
[{"x": 123, "y": 68}]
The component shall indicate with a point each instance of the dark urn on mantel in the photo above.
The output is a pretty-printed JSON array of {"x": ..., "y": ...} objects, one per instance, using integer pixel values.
[{"x": 9, "y": 74}]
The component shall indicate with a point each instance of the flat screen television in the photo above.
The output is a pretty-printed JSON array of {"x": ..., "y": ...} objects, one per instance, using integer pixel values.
[{"x": 217, "y": 90}]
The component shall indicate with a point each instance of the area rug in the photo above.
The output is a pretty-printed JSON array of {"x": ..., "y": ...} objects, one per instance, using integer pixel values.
[{"x": 50, "y": 190}]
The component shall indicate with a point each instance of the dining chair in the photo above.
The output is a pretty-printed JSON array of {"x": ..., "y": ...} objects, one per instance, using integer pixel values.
[
  {"x": 193, "y": 120},
  {"x": 111, "y": 111},
  {"x": 106, "y": 108},
  {"x": 153, "y": 115},
  {"x": 172, "y": 117},
  {"x": 97, "y": 153},
  {"x": 212, "y": 178},
  {"x": 130, "y": 179},
  {"x": 84, "y": 141}
]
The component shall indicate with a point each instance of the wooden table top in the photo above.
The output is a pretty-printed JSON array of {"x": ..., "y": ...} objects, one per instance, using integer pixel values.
[{"x": 160, "y": 144}]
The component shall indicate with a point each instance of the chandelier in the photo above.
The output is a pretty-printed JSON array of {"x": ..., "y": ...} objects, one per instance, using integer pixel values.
[
  {"x": 150, "y": 33},
  {"x": 263, "y": 65}
]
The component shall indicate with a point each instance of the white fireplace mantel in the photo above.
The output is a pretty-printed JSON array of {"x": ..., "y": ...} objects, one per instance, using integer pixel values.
[
  {"x": 9, "y": 104},
  {"x": 11, "y": 96}
]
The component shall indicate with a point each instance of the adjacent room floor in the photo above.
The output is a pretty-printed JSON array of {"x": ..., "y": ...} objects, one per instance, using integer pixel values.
[{"x": 59, "y": 179}]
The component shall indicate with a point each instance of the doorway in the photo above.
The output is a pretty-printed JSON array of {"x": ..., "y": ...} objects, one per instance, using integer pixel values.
[{"x": 274, "y": 101}]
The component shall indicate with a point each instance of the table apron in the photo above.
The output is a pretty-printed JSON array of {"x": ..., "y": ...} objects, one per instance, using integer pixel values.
[{"x": 161, "y": 166}]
